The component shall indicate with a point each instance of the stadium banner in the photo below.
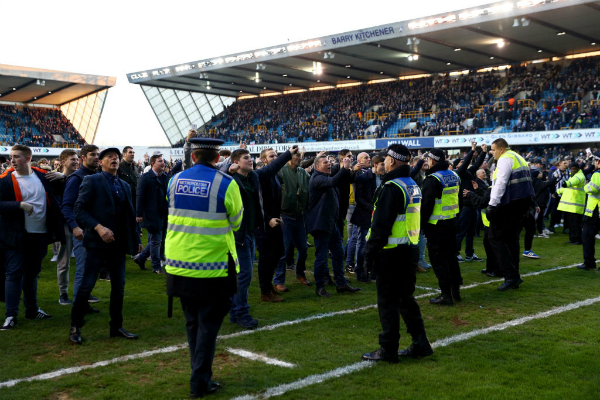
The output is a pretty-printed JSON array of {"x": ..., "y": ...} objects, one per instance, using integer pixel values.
[
  {"x": 37, "y": 151},
  {"x": 522, "y": 138},
  {"x": 312, "y": 147},
  {"x": 413, "y": 143}
]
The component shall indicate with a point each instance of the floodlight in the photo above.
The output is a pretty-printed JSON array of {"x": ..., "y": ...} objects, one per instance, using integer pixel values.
[
  {"x": 515, "y": 23},
  {"x": 408, "y": 42}
]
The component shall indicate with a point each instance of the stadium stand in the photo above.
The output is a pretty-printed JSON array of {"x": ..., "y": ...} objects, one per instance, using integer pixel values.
[
  {"x": 535, "y": 97},
  {"x": 38, "y": 127}
]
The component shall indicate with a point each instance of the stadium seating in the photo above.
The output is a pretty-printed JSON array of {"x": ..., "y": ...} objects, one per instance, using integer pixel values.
[
  {"x": 547, "y": 96},
  {"x": 37, "y": 126}
]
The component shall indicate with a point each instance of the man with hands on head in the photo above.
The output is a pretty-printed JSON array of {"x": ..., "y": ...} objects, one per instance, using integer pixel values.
[
  {"x": 322, "y": 219},
  {"x": 105, "y": 210}
]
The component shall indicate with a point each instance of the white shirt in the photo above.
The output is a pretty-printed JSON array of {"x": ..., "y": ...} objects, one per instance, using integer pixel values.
[
  {"x": 503, "y": 171},
  {"x": 33, "y": 192}
]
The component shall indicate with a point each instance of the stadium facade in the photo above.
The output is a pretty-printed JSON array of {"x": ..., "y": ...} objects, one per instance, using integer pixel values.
[{"x": 488, "y": 36}]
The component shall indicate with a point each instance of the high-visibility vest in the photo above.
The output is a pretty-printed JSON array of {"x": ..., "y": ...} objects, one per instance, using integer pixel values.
[
  {"x": 407, "y": 225},
  {"x": 205, "y": 208},
  {"x": 519, "y": 185},
  {"x": 573, "y": 194},
  {"x": 447, "y": 206},
  {"x": 593, "y": 191}
]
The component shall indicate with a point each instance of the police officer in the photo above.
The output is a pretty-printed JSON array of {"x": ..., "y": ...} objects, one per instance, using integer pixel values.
[
  {"x": 438, "y": 212},
  {"x": 510, "y": 199},
  {"x": 591, "y": 221},
  {"x": 205, "y": 207},
  {"x": 392, "y": 249},
  {"x": 572, "y": 202}
]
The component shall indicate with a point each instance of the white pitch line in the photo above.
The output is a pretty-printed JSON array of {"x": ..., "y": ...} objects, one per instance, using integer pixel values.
[
  {"x": 72, "y": 370},
  {"x": 309, "y": 380},
  {"x": 427, "y": 288},
  {"x": 312, "y": 379},
  {"x": 258, "y": 357}
]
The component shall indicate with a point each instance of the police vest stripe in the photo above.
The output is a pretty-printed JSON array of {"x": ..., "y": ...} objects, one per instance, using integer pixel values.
[
  {"x": 180, "y": 212},
  {"x": 198, "y": 230},
  {"x": 197, "y": 266},
  {"x": 592, "y": 184},
  {"x": 447, "y": 206}
]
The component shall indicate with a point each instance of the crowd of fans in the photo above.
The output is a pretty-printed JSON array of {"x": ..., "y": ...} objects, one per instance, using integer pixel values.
[
  {"x": 36, "y": 126},
  {"x": 434, "y": 105}
]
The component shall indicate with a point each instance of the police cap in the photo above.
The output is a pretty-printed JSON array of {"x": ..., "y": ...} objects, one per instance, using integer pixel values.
[{"x": 205, "y": 143}]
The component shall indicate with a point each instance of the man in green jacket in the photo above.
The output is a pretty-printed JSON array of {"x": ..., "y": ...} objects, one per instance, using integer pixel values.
[{"x": 294, "y": 198}]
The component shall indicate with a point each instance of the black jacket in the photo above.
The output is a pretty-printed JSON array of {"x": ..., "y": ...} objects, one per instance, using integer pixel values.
[
  {"x": 240, "y": 234},
  {"x": 542, "y": 190},
  {"x": 390, "y": 203},
  {"x": 95, "y": 205},
  {"x": 151, "y": 200},
  {"x": 129, "y": 173},
  {"x": 364, "y": 188},
  {"x": 344, "y": 191},
  {"x": 12, "y": 218},
  {"x": 323, "y": 209},
  {"x": 467, "y": 175},
  {"x": 270, "y": 188},
  {"x": 431, "y": 190}
]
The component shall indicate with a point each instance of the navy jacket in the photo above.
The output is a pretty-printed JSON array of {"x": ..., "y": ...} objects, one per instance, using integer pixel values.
[
  {"x": 71, "y": 193},
  {"x": 323, "y": 209},
  {"x": 151, "y": 200},
  {"x": 364, "y": 189},
  {"x": 12, "y": 218},
  {"x": 95, "y": 205},
  {"x": 270, "y": 188}
]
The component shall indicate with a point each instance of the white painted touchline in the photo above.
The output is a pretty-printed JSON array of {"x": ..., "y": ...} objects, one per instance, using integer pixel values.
[
  {"x": 258, "y": 357},
  {"x": 311, "y": 380},
  {"x": 427, "y": 288},
  {"x": 72, "y": 370}
]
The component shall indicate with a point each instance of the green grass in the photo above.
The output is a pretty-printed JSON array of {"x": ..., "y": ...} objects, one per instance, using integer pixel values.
[{"x": 556, "y": 357}]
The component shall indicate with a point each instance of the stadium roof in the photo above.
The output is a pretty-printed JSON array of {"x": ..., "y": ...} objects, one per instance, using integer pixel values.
[
  {"x": 486, "y": 36},
  {"x": 43, "y": 86},
  {"x": 466, "y": 39}
]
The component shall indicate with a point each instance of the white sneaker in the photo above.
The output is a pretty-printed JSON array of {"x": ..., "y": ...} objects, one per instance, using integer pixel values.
[
  {"x": 597, "y": 235},
  {"x": 543, "y": 235},
  {"x": 73, "y": 254},
  {"x": 460, "y": 259},
  {"x": 54, "y": 258},
  {"x": 9, "y": 323},
  {"x": 547, "y": 232}
]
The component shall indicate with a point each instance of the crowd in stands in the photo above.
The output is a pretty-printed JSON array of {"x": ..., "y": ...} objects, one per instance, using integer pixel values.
[
  {"x": 36, "y": 126},
  {"x": 433, "y": 105}
]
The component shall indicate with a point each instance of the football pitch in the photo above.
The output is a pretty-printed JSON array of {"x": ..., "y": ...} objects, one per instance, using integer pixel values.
[{"x": 540, "y": 341}]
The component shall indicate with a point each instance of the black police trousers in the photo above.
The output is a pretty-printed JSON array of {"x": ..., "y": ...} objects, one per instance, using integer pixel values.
[
  {"x": 396, "y": 277},
  {"x": 505, "y": 227},
  {"x": 591, "y": 226},
  {"x": 203, "y": 317},
  {"x": 441, "y": 243}
]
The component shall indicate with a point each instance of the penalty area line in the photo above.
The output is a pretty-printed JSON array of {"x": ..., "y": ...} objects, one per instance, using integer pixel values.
[
  {"x": 338, "y": 372},
  {"x": 257, "y": 357}
]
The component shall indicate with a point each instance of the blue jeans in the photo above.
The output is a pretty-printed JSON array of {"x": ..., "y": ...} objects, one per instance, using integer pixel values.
[
  {"x": 293, "y": 231},
  {"x": 80, "y": 252},
  {"x": 351, "y": 246},
  {"x": 155, "y": 248},
  {"x": 115, "y": 261},
  {"x": 246, "y": 252},
  {"x": 22, "y": 269},
  {"x": 360, "y": 237},
  {"x": 422, "y": 246},
  {"x": 325, "y": 241},
  {"x": 467, "y": 220}
]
